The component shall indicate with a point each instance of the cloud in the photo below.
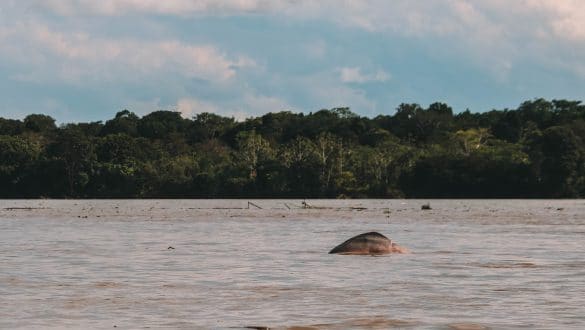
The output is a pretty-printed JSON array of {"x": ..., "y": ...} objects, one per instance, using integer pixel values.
[
  {"x": 355, "y": 75},
  {"x": 188, "y": 107},
  {"x": 326, "y": 91},
  {"x": 247, "y": 106},
  {"x": 192, "y": 55},
  {"x": 486, "y": 32},
  {"x": 476, "y": 22},
  {"x": 565, "y": 18},
  {"x": 78, "y": 56},
  {"x": 166, "y": 7}
]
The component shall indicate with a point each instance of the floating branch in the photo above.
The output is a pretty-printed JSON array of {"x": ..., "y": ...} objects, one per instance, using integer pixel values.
[{"x": 250, "y": 203}]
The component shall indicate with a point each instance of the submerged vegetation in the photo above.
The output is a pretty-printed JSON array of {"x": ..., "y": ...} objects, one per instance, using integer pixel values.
[{"x": 536, "y": 150}]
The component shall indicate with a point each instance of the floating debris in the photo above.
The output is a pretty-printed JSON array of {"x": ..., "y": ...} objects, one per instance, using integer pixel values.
[
  {"x": 426, "y": 206},
  {"x": 306, "y": 205},
  {"x": 250, "y": 203}
]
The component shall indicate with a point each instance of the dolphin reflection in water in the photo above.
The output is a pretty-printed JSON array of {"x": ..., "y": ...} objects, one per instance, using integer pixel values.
[{"x": 371, "y": 243}]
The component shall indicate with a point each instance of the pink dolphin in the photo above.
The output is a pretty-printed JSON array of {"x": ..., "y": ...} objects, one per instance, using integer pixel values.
[{"x": 371, "y": 243}]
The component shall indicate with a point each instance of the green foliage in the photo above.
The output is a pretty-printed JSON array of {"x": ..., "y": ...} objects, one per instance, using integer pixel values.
[
  {"x": 39, "y": 123},
  {"x": 10, "y": 126},
  {"x": 75, "y": 152},
  {"x": 159, "y": 124},
  {"x": 562, "y": 158},
  {"x": 413, "y": 123},
  {"x": 536, "y": 150},
  {"x": 208, "y": 126},
  {"x": 125, "y": 122},
  {"x": 17, "y": 159}
]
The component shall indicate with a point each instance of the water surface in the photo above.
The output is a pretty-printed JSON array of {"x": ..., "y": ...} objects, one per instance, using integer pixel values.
[{"x": 475, "y": 264}]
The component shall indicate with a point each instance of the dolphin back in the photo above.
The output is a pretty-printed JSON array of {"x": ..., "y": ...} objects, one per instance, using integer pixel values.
[{"x": 364, "y": 243}]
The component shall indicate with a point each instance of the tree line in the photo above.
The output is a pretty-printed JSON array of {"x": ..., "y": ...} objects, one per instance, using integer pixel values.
[{"x": 534, "y": 151}]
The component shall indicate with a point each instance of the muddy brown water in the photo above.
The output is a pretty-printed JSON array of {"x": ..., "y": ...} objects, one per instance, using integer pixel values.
[{"x": 228, "y": 264}]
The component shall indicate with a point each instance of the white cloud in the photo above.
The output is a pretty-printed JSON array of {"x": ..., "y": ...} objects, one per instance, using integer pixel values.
[
  {"x": 566, "y": 18},
  {"x": 166, "y": 7},
  {"x": 493, "y": 34},
  {"x": 140, "y": 107},
  {"x": 325, "y": 90},
  {"x": 248, "y": 105},
  {"x": 76, "y": 57},
  {"x": 355, "y": 75},
  {"x": 188, "y": 107}
]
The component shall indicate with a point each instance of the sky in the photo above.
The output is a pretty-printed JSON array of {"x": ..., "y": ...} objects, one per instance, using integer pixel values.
[{"x": 85, "y": 60}]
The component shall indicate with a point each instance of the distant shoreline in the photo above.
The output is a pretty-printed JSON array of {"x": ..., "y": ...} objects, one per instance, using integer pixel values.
[{"x": 534, "y": 151}]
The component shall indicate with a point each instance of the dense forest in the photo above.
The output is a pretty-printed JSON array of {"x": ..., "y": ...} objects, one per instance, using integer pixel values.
[{"x": 534, "y": 151}]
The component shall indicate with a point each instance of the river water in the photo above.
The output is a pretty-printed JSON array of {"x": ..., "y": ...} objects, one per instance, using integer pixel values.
[{"x": 228, "y": 264}]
